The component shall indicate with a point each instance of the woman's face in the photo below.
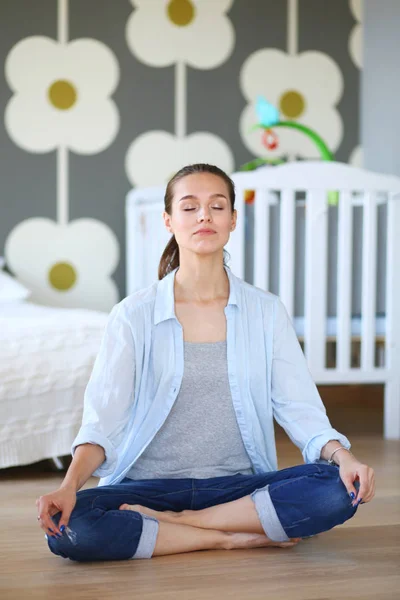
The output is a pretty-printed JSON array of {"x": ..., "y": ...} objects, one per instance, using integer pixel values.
[{"x": 202, "y": 218}]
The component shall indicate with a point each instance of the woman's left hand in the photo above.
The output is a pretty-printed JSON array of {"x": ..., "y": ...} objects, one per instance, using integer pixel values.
[{"x": 351, "y": 469}]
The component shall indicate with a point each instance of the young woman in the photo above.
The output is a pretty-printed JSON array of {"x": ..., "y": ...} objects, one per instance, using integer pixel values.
[{"x": 178, "y": 414}]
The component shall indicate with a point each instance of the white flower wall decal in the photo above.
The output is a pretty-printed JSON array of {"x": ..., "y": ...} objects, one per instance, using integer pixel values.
[
  {"x": 62, "y": 101},
  {"x": 356, "y": 35},
  {"x": 195, "y": 33},
  {"x": 356, "y": 158},
  {"x": 156, "y": 155},
  {"x": 65, "y": 265},
  {"x": 61, "y": 95}
]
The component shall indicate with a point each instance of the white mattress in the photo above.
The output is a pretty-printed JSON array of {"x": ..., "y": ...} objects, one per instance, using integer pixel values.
[
  {"x": 46, "y": 357},
  {"x": 331, "y": 326}
]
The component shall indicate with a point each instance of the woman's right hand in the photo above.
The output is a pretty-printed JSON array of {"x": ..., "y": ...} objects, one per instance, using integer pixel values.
[{"x": 62, "y": 500}]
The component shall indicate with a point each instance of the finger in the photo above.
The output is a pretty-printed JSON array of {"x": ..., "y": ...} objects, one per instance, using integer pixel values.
[
  {"x": 369, "y": 496},
  {"x": 64, "y": 520},
  {"x": 46, "y": 523},
  {"x": 373, "y": 489},
  {"x": 364, "y": 487},
  {"x": 351, "y": 490},
  {"x": 48, "y": 527}
]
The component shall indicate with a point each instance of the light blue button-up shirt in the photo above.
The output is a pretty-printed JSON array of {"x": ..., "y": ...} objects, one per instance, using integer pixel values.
[{"x": 139, "y": 368}]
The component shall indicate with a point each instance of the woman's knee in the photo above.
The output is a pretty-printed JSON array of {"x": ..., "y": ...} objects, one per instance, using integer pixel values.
[
  {"x": 99, "y": 535},
  {"x": 74, "y": 543},
  {"x": 338, "y": 503},
  {"x": 81, "y": 538},
  {"x": 74, "y": 546}
]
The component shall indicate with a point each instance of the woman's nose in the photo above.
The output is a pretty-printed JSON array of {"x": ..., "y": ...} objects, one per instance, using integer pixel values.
[{"x": 204, "y": 215}]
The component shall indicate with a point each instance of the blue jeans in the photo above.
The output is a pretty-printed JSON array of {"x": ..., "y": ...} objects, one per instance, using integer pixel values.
[{"x": 300, "y": 501}]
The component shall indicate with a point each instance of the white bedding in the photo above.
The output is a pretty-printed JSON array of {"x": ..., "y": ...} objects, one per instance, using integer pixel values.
[{"x": 46, "y": 357}]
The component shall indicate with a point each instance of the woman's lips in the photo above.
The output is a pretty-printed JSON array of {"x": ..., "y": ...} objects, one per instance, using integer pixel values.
[{"x": 205, "y": 232}]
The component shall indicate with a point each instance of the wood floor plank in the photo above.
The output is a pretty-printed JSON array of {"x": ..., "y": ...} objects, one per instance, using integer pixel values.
[{"x": 360, "y": 560}]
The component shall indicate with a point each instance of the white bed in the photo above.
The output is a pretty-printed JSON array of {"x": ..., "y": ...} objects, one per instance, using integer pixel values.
[{"x": 46, "y": 357}]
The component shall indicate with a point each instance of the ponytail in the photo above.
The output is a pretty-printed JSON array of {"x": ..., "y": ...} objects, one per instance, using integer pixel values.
[{"x": 169, "y": 259}]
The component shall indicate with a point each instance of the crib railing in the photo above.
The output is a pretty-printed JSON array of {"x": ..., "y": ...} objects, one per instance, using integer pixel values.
[{"x": 316, "y": 271}]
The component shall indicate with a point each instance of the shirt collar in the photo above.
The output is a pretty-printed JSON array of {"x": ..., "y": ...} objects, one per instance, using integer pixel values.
[{"x": 164, "y": 308}]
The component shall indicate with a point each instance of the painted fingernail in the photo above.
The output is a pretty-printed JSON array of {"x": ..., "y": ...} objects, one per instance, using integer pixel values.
[
  {"x": 62, "y": 528},
  {"x": 51, "y": 530},
  {"x": 352, "y": 495}
]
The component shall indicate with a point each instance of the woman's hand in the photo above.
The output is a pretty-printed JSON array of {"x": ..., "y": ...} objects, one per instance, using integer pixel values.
[
  {"x": 351, "y": 469},
  {"x": 62, "y": 500}
]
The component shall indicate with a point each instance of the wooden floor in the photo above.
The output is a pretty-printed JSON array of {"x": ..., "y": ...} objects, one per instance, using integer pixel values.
[{"x": 358, "y": 560}]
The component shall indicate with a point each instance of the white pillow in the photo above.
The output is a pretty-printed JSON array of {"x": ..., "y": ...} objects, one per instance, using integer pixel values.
[{"x": 11, "y": 289}]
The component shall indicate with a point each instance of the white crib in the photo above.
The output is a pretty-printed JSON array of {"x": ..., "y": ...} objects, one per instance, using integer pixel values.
[{"x": 264, "y": 250}]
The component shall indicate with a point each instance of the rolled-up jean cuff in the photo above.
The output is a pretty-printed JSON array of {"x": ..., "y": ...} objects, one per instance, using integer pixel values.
[
  {"x": 148, "y": 538},
  {"x": 267, "y": 515}
]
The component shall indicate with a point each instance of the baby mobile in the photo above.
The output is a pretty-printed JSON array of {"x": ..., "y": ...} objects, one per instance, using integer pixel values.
[{"x": 269, "y": 119}]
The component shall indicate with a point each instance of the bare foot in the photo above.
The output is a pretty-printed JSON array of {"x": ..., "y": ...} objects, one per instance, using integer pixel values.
[
  {"x": 168, "y": 516},
  {"x": 255, "y": 540}
]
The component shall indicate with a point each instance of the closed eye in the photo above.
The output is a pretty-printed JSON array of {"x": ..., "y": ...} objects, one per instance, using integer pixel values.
[{"x": 214, "y": 207}]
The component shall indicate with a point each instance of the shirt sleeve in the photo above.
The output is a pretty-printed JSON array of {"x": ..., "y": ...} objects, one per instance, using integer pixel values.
[
  {"x": 109, "y": 394},
  {"x": 297, "y": 405}
]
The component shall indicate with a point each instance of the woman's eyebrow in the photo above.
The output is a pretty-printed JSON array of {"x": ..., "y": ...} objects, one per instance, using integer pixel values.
[
  {"x": 218, "y": 196},
  {"x": 193, "y": 197}
]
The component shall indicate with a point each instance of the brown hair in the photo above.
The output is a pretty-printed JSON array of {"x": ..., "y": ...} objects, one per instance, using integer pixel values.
[{"x": 170, "y": 257}]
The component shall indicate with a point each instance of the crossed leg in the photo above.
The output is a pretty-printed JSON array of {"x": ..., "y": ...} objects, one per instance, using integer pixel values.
[
  {"x": 231, "y": 525},
  {"x": 174, "y": 538},
  {"x": 239, "y": 516},
  {"x": 311, "y": 499}
]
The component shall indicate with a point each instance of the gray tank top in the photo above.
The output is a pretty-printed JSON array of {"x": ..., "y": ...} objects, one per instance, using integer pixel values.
[{"x": 200, "y": 437}]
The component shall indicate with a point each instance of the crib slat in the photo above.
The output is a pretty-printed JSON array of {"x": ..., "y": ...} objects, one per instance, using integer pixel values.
[
  {"x": 368, "y": 285},
  {"x": 236, "y": 243},
  {"x": 136, "y": 244},
  {"x": 287, "y": 250},
  {"x": 130, "y": 235},
  {"x": 316, "y": 279},
  {"x": 261, "y": 239},
  {"x": 392, "y": 344},
  {"x": 345, "y": 241}
]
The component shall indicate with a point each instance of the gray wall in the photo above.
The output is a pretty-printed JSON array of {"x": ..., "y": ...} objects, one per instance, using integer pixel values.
[{"x": 380, "y": 85}]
